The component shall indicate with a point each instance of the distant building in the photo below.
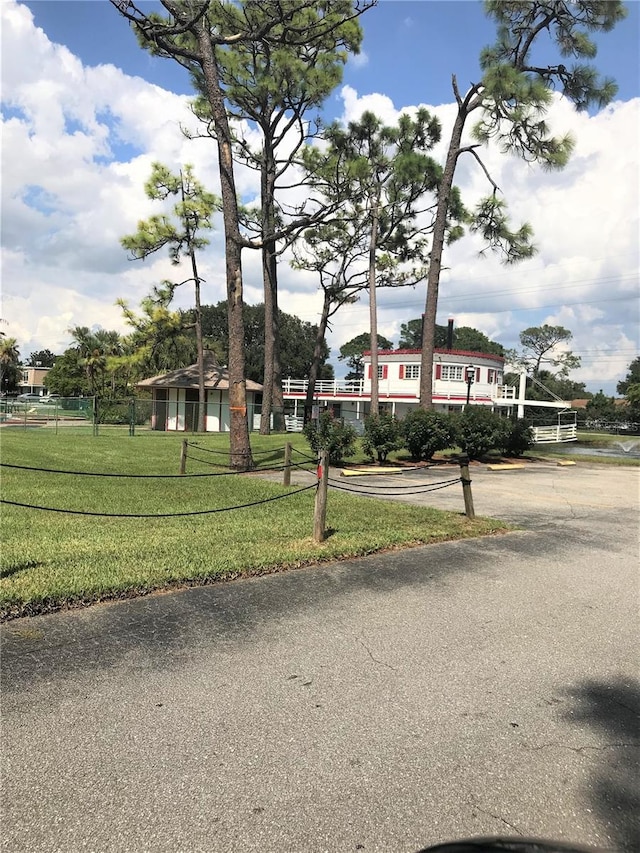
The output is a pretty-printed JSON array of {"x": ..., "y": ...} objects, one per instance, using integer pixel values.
[
  {"x": 33, "y": 380},
  {"x": 176, "y": 398},
  {"x": 399, "y": 386}
]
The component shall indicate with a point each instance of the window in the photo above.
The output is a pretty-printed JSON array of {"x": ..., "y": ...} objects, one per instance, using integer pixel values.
[
  {"x": 409, "y": 371},
  {"x": 383, "y": 371},
  {"x": 452, "y": 372}
]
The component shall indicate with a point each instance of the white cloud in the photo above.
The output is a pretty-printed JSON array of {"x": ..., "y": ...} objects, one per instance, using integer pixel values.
[
  {"x": 359, "y": 60},
  {"x": 585, "y": 221},
  {"x": 78, "y": 143}
]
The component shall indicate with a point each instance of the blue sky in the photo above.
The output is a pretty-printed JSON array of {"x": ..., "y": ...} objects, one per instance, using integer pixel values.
[
  {"x": 413, "y": 46},
  {"x": 87, "y": 114}
]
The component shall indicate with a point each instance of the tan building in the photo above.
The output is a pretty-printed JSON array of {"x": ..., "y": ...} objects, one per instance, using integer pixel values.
[{"x": 33, "y": 380}]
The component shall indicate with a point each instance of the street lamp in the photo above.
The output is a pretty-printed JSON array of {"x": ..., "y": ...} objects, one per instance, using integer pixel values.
[{"x": 470, "y": 378}]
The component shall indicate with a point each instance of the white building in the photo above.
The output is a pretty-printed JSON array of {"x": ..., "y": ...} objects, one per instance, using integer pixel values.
[{"x": 399, "y": 387}]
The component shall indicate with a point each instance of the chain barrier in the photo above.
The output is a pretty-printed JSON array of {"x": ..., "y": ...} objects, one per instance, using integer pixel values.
[{"x": 158, "y": 515}]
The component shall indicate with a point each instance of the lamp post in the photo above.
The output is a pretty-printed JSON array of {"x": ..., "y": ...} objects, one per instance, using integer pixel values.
[{"x": 470, "y": 378}]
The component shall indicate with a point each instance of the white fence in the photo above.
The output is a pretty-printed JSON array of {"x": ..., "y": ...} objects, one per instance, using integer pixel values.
[{"x": 555, "y": 434}]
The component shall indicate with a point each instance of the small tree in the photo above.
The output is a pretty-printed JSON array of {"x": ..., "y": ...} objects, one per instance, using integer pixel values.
[
  {"x": 601, "y": 408},
  {"x": 192, "y": 213},
  {"x": 41, "y": 358},
  {"x": 426, "y": 432},
  {"x": 632, "y": 377},
  {"x": 331, "y": 434},
  {"x": 518, "y": 439},
  {"x": 9, "y": 359},
  {"x": 543, "y": 345},
  {"x": 479, "y": 430},
  {"x": 353, "y": 353},
  {"x": 382, "y": 435}
]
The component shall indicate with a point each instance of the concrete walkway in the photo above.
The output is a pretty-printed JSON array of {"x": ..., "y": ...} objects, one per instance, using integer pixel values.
[{"x": 480, "y": 687}]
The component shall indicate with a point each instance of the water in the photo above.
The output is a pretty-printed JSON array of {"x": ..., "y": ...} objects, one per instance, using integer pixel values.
[{"x": 625, "y": 449}]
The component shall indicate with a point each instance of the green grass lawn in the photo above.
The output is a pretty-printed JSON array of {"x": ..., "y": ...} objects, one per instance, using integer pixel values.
[{"x": 50, "y": 560}]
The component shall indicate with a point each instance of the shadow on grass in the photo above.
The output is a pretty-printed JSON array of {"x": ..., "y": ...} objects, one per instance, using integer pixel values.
[
  {"x": 612, "y": 711},
  {"x": 18, "y": 567}
]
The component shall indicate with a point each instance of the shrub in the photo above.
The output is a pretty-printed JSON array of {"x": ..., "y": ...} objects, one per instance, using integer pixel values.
[
  {"x": 479, "y": 430},
  {"x": 329, "y": 433},
  {"x": 425, "y": 432},
  {"x": 382, "y": 434},
  {"x": 518, "y": 439}
]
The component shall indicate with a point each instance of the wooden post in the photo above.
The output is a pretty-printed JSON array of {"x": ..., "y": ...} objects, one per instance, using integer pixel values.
[
  {"x": 183, "y": 457},
  {"x": 466, "y": 487},
  {"x": 320, "y": 509},
  {"x": 287, "y": 464}
]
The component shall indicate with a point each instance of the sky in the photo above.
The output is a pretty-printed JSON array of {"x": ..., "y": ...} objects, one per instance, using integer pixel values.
[{"x": 85, "y": 112}]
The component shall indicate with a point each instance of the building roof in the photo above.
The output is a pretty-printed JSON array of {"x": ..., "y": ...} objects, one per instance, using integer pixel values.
[
  {"x": 438, "y": 351},
  {"x": 216, "y": 377}
]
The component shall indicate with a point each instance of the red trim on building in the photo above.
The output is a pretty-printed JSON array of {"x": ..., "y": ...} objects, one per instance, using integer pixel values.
[{"x": 440, "y": 351}]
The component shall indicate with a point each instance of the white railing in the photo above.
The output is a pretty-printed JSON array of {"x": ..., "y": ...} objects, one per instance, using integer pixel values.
[
  {"x": 332, "y": 387},
  {"x": 555, "y": 434},
  {"x": 505, "y": 392}
]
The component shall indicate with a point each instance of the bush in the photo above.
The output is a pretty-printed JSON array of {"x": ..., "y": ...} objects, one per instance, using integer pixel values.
[
  {"x": 518, "y": 439},
  {"x": 382, "y": 434},
  {"x": 479, "y": 430},
  {"x": 426, "y": 432},
  {"x": 329, "y": 433}
]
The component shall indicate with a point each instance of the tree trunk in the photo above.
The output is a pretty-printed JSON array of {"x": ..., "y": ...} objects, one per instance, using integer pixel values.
[
  {"x": 435, "y": 261},
  {"x": 317, "y": 356},
  {"x": 240, "y": 447},
  {"x": 272, "y": 400},
  {"x": 373, "y": 308},
  {"x": 202, "y": 394}
]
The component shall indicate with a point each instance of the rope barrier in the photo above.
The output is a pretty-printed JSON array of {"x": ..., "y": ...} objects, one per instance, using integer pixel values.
[
  {"x": 398, "y": 488},
  {"x": 158, "y": 515},
  {"x": 278, "y": 450},
  {"x": 430, "y": 488},
  {"x": 126, "y": 476}
]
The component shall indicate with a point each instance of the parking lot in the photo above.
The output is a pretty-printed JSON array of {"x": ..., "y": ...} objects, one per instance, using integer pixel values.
[{"x": 478, "y": 687}]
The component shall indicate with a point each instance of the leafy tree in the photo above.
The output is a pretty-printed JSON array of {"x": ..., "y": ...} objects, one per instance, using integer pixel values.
[
  {"x": 298, "y": 339},
  {"x": 511, "y": 101},
  {"x": 160, "y": 340},
  {"x": 518, "y": 439},
  {"x": 411, "y": 334},
  {"x": 602, "y": 408},
  {"x": 332, "y": 250},
  {"x": 68, "y": 376},
  {"x": 9, "y": 360},
  {"x": 386, "y": 173},
  {"x": 193, "y": 34},
  {"x": 543, "y": 345},
  {"x": 181, "y": 234},
  {"x": 353, "y": 353},
  {"x": 473, "y": 340},
  {"x": 382, "y": 435},
  {"x": 479, "y": 430},
  {"x": 633, "y": 403},
  {"x": 97, "y": 354},
  {"x": 331, "y": 434},
  {"x": 464, "y": 338},
  {"x": 426, "y": 432},
  {"x": 272, "y": 85},
  {"x": 632, "y": 377},
  {"x": 41, "y": 358}
]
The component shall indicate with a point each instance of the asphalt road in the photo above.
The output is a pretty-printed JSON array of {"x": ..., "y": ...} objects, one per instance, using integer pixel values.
[{"x": 480, "y": 687}]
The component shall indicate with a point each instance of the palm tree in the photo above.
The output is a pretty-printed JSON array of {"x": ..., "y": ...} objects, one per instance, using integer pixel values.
[{"x": 9, "y": 357}]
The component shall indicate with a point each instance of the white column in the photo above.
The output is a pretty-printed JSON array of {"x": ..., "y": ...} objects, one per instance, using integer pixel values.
[{"x": 522, "y": 391}]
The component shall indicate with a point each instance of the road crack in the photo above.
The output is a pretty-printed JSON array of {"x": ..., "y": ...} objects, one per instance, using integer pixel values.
[{"x": 371, "y": 655}]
